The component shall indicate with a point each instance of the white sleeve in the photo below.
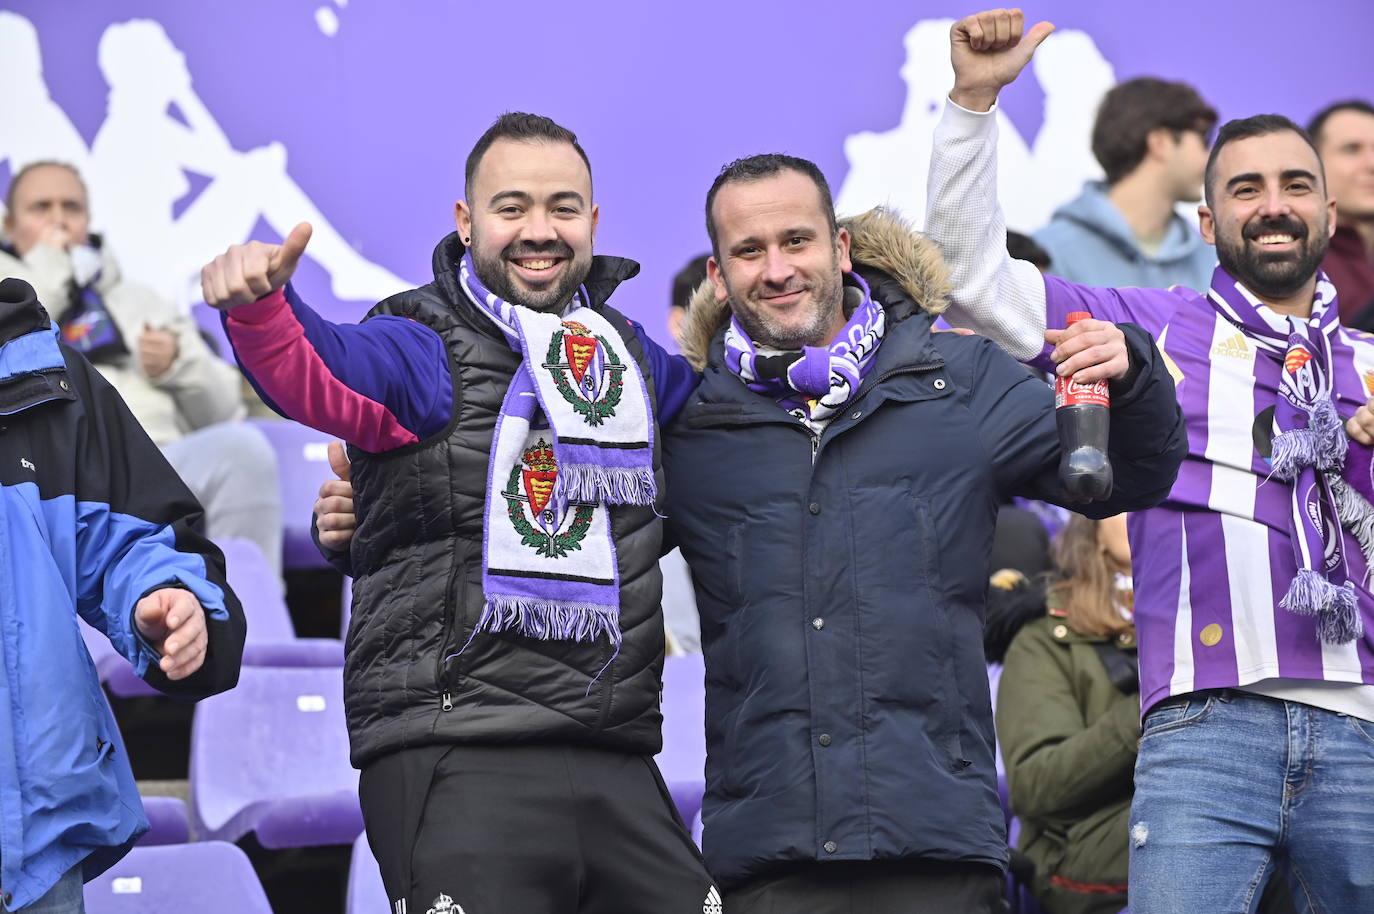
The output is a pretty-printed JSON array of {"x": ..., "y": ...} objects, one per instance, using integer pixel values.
[{"x": 994, "y": 295}]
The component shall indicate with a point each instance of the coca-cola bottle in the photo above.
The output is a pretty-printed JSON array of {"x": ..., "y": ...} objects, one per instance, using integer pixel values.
[{"x": 1082, "y": 412}]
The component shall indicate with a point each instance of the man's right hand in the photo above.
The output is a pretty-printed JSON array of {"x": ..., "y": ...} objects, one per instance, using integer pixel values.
[
  {"x": 56, "y": 237},
  {"x": 247, "y": 272},
  {"x": 334, "y": 517},
  {"x": 988, "y": 52}
]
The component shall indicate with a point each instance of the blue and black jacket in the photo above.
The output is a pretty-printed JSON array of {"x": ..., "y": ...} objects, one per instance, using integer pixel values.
[{"x": 92, "y": 518}]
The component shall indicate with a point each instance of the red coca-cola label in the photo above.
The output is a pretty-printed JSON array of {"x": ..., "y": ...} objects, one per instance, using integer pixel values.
[{"x": 1068, "y": 392}]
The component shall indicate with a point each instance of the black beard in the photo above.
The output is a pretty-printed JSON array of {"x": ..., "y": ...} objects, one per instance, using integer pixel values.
[
  {"x": 1273, "y": 277},
  {"x": 495, "y": 274}
]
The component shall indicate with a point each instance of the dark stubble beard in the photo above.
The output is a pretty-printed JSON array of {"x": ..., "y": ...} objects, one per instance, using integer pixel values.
[
  {"x": 1273, "y": 276},
  {"x": 495, "y": 272},
  {"x": 827, "y": 294}
]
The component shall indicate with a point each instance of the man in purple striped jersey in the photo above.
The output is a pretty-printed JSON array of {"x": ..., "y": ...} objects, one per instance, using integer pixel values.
[{"x": 1253, "y": 599}]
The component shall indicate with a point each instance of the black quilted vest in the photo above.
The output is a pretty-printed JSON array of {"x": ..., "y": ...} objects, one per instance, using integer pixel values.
[{"x": 417, "y": 563}]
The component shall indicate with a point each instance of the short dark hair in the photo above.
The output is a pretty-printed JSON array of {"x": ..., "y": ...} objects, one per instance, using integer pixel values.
[
  {"x": 756, "y": 168},
  {"x": 34, "y": 166},
  {"x": 1024, "y": 247},
  {"x": 1132, "y": 109},
  {"x": 686, "y": 280},
  {"x": 521, "y": 127},
  {"x": 1243, "y": 129},
  {"x": 1318, "y": 122}
]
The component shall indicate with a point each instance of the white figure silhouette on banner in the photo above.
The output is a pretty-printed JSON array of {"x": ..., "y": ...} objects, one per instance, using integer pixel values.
[
  {"x": 33, "y": 127},
  {"x": 136, "y": 168},
  {"x": 889, "y": 168}
]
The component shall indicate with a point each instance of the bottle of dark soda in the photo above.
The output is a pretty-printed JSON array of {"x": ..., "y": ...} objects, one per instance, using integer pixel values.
[{"x": 1082, "y": 411}]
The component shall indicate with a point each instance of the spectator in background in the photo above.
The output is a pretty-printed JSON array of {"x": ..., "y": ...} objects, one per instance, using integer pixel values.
[
  {"x": 95, "y": 524},
  {"x": 680, "y": 616},
  {"x": 1068, "y": 718},
  {"x": 1024, "y": 247},
  {"x": 1068, "y": 721},
  {"x": 1344, "y": 135},
  {"x": 1151, "y": 138},
  {"x": 185, "y": 397},
  {"x": 685, "y": 282}
]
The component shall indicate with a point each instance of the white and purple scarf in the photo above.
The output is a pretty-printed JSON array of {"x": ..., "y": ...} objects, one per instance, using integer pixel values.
[
  {"x": 1309, "y": 450},
  {"x": 816, "y": 382},
  {"x": 575, "y": 435}
]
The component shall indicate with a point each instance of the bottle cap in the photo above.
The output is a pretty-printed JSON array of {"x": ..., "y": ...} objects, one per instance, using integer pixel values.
[{"x": 1076, "y": 316}]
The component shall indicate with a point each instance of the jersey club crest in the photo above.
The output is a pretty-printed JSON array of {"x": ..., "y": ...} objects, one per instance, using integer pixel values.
[
  {"x": 586, "y": 370},
  {"x": 547, "y": 522}
]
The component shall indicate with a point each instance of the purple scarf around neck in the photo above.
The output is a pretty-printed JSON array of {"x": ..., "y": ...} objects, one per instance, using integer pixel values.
[
  {"x": 815, "y": 382},
  {"x": 1309, "y": 447}
]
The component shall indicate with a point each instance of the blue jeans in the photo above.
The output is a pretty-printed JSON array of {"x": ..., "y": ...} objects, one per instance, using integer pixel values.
[
  {"x": 63, "y": 898},
  {"x": 1230, "y": 786}
]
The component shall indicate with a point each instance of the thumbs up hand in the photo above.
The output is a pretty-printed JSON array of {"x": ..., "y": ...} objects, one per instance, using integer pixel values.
[
  {"x": 247, "y": 272},
  {"x": 989, "y": 50}
]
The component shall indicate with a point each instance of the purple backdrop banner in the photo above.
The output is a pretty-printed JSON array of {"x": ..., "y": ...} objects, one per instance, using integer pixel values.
[{"x": 202, "y": 124}]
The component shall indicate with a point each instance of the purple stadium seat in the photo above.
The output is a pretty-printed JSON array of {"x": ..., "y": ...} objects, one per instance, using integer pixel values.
[
  {"x": 683, "y": 759},
  {"x": 271, "y": 757},
  {"x": 167, "y": 815},
  {"x": 260, "y": 592},
  {"x": 207, "y": 878},
  {"x": 303, "y": 463},
  {"x": 271, "y": 637},
  {"x": 366, "y": 894}
]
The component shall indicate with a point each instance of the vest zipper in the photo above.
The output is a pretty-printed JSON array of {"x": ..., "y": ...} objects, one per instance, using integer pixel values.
[{"x": 447, "y": 644}]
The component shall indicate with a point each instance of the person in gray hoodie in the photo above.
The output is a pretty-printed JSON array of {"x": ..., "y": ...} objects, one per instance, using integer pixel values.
[{"x": 1151, "y": 139}]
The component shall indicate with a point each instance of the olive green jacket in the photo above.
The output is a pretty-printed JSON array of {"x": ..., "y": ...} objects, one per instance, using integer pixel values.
[{"x": 1069, "y": 740}]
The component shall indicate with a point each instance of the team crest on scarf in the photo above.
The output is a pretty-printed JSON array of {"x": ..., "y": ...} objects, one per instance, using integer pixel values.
[
  {"x": 586, "y": 371},
  {"x": 539, "y": 513}
]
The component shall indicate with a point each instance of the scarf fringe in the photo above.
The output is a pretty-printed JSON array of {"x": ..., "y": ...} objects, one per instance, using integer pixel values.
[
  {"x": 549, "y": 620},
  {"x": 611, "y": 485},
  {"x": 1322, "y": 445},
  {"x": 1355, "y": 514},
  {"x": 1335, "y": 606}
]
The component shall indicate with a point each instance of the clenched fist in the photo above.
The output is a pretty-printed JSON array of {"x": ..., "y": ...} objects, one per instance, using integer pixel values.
[
  {"x": 247, "y": 272},
  {"x": 988, "y": 52},
  {"x": 334, "y": 517}
]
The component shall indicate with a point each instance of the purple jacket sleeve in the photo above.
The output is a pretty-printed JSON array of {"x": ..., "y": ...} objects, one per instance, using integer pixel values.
[
  {"x": 674, "y": 377},
  {"x": 379, "y": 385},
  {"x": 1149, "y": 308}
]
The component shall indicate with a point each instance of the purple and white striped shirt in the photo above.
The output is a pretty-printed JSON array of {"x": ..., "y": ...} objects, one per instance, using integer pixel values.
[
  {"x": 1209, "y": 571},
  {"x": 1213, "y": 561}
]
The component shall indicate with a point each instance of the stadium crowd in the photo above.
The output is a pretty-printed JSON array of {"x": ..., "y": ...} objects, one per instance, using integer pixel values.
[{"x": 929, "y": 679}]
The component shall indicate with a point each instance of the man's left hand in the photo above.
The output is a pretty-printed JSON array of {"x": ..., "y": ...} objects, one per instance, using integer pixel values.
[
  {"x": 157, "y": 350},
  {"x": 1089, "y": 351},
  {"x": 173, "y": 622}
]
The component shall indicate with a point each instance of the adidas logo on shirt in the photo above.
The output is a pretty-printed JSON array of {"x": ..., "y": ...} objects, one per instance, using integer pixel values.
[
  {"x": 1235, "y": 347},
  {"x": 712, "y": 903}
]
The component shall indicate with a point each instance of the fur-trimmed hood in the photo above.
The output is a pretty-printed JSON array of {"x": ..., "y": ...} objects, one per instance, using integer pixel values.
[{"x": 880, "y": 239}]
